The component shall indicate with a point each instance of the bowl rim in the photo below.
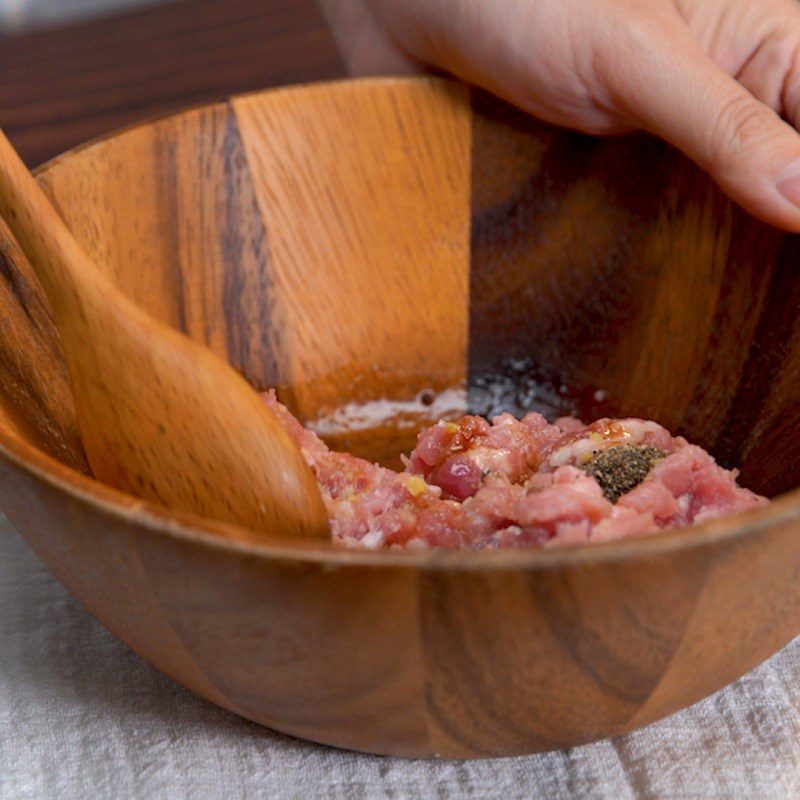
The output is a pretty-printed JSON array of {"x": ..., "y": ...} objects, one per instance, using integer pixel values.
[{"x": 235, "y": 540}]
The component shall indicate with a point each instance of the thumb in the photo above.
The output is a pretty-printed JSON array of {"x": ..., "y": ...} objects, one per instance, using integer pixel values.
[{"x": 681, "y": 95}]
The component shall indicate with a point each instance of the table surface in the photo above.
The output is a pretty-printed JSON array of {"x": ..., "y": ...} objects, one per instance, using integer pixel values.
[
  {"x": 62, "y": 86},
  {"x": 80, "y": 715}
]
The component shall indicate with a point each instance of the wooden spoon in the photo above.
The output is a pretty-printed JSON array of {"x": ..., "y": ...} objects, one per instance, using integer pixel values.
[{"x": 160, "y": 416}]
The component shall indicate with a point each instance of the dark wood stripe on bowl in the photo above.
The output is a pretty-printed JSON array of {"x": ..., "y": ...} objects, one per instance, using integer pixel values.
[
  {"x": 350, "y": 186},
  {"x": 611, "y": 277}
]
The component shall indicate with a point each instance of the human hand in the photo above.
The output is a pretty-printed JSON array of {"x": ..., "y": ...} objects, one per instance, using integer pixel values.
[{"x": 713, "y": 77}]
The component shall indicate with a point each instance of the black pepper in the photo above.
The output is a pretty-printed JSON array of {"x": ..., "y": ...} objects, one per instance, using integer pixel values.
[{"x": 622, "y": 468}]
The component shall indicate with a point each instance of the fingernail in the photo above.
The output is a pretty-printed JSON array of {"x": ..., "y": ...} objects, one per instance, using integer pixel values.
[{"x": 788, "y": 182}]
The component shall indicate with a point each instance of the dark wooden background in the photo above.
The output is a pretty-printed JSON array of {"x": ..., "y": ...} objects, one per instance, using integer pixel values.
[{"x": 62, "y": 86}]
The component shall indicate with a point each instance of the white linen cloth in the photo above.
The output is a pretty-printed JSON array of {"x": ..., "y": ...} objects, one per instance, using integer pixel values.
[{"x": 82, "y": 717}]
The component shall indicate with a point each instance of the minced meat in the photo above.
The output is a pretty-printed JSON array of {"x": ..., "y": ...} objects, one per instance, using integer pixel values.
[{"x": 521, "y": 483}]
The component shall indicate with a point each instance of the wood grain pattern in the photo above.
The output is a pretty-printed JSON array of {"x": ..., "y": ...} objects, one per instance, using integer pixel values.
[
  {"x": 353, "y": 185},
  {"x": 190, "y": 275},
  {"x": 609, "y": 264},
  {"x": 160, "y": 416},
  {"x": 617, "y": 266},
  {"x": 36, "y": 398}
]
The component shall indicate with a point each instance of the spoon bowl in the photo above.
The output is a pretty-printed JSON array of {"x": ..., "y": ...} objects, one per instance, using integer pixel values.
[{"x": 159, "y": 415}]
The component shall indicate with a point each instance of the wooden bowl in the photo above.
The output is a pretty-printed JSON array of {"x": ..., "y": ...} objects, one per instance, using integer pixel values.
[{"x": 383, "y": 239}]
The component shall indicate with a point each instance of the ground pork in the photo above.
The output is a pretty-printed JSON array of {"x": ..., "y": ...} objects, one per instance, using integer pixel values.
[{"x": 475, "y": 484}]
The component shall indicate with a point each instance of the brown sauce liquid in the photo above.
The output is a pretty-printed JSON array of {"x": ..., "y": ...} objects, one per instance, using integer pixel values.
[{"x": 380, "y": 431}]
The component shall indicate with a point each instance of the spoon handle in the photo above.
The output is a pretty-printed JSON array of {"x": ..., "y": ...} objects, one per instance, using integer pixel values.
[
  {"x": 55, "y": 255},
  {"x": 160, "y": 416}
]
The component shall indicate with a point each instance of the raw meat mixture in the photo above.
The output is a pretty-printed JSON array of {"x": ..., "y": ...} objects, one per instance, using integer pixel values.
[{"x": 521, "y": 483}]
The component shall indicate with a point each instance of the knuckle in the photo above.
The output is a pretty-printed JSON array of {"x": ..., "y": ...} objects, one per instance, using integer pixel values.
[
  {"x": 622, "y": 42},
  {"x": 741, "y": 126}
]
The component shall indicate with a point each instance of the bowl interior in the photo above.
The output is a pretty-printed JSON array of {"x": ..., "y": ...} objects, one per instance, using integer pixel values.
[{"x": 388, "y": 251}]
